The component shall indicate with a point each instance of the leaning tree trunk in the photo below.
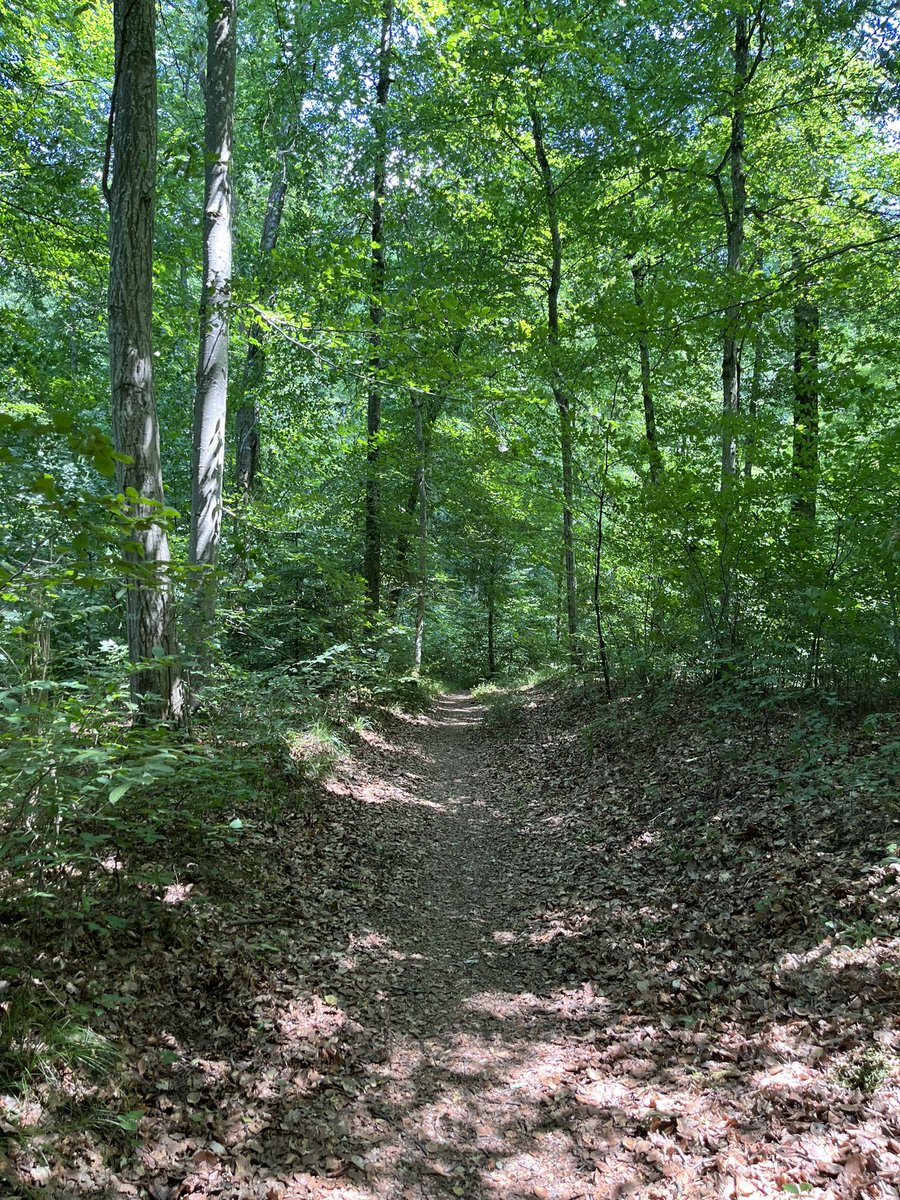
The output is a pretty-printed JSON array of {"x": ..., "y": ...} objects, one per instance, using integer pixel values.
[
  {"x": 210, "y": 402},
  {"x": 152, "y": 644},
  {"x": 372, "y": 533},
  {"x": 564, "y": 403}
]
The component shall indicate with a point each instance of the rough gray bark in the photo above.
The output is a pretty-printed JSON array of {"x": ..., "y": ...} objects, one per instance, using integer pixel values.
[
  {"x": 210, "y": 402},
  {"x": 564, "y": 402},
  {"x": 639, "y": 274},
  {"x": 372, "y": 532},
  {"x": 155, "y": 685},
  {"x": 805, "y": 457},
  {"x": 246, "y": 417}
]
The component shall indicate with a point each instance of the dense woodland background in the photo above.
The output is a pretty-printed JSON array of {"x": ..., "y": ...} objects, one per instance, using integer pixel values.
[
  {"x": 351, "y": 352},
  {"x": 530, "y": 337},
  {"x": 618, "y": 282}
]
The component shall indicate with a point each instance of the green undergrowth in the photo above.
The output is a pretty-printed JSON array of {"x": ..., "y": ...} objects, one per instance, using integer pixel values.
[
  {"x": 96, "y": 812},
  {"x": 56, "y": 1071},
  {"x": 506, "y": 701},
  {"x": 111, "y": 833}
]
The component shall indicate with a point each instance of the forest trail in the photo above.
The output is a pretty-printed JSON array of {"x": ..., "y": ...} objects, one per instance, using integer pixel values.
[
  {"x": 481, "y": 963},
  {"x": 472, "y": 1050}
]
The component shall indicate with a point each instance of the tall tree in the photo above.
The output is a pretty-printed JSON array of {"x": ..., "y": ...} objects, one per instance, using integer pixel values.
[
  {"x": 372, "y": 551},
  {"x": 805, "y": 451},
  {"x": 561, "y": 395},
  {"x": 734, "y": 209},
  {"x": 155, "y": 686},
  {"x": 639, "y": 275},
  {"x": 422, "y": 532},
  {"x": 210, "y": 403},
  {"x": 246, "y": 417}
]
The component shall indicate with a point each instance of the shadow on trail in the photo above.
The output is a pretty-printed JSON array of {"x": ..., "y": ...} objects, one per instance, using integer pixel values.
[{"x": 492, "y": 986}]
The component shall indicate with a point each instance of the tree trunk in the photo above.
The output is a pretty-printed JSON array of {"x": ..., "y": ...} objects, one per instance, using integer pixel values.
[
  {"x": 598, "y": 612},
  {"x": 372, "y": 536},
  {"x": 491, "y": 651},
  {"x": 210, "y": 402},
  {"x": 422, "y": 542},
  {"x": 805, "y": 459},
  {"x": 734, "y": 214},
  {"x": 753, "y": 408},
  {"x": 155, "y": 685},
  {"x": 563, "y": 400},
  {"x": 246, "y": 417},
  {"x": 639, "y": 274},
  {"x": 431, "y": 414}
]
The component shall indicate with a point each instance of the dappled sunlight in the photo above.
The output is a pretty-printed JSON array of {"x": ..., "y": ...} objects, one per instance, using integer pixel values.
[
  {"x": 446, "y": 997},
  {"x": 564, "y": 1005}
]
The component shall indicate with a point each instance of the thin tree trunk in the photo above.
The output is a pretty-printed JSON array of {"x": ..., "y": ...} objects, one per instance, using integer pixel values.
[
  {"x": 491, "y": 651},
  {"x": 422, "y": 540},
  {"x": 372, "y": 535},
  {"x": 212, "y": 368},
  {"x": 598, "y": 614},
  {"x": 155, "y": 685},
  {"x": 431, "y": 415},
  {"x": 753, "y": 407},
  {"x": 39, "y": 630},
  {"x": 246, "y": 417},
  {"x": 639, "y": 274},
  {"x": 734, "y": 212},
  {"x": 564, "y": 403},
  {"x": 805, "y": 457}
]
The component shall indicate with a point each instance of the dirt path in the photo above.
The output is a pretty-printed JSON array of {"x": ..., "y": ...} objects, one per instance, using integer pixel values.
[
  {"x": 448, "y": 903},
  {"x": 475, "y": 1050},
  {"x": 480, "y": 964}
]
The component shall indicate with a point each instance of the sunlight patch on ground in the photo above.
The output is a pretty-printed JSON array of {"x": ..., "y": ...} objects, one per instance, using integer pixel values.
[{"x": 572, "y": 1004}]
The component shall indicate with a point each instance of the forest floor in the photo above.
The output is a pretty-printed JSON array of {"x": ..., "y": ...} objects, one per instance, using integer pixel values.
[{"x": 485, "y": 961}]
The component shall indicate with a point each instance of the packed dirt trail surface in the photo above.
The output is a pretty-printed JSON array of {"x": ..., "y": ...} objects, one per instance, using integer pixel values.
[
  {"x": 485, "y": 960},
  {"x": 458, "y": 863},
  {"x": 472, "y": 1047}
]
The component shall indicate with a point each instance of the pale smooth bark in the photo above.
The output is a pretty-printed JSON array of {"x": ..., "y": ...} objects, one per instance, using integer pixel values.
[
  {"x": 377, "y": 272},
  {"x": 155, "y": 685},
  {"x": 210, "y": 404},
  {"x": 564, "y": 402}
]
